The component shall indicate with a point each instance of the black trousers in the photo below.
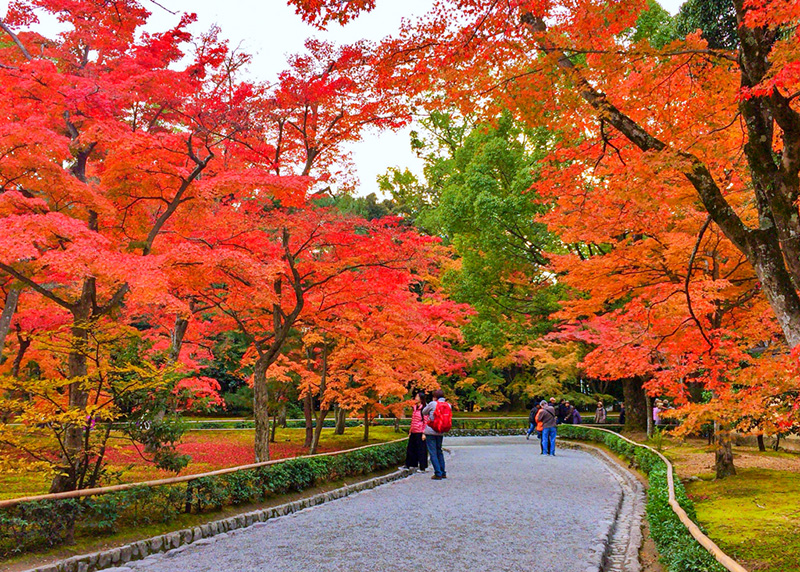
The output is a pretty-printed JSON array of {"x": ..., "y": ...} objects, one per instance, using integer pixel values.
[{"x": 416, "y": 452}]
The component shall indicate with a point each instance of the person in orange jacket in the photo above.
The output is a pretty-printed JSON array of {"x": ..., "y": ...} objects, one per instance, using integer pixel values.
[
  {"x": 547, "y": 417},
  {"x": 539, "y": 427}
]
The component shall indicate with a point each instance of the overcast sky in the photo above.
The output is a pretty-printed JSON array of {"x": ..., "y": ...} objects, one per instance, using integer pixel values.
[{"x": 270, "y": 30}]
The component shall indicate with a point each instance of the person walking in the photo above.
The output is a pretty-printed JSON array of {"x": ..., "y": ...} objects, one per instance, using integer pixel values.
[
  {"x": 547, "y": 416},
  {"x": 600, "y": 413},
  {"x": 561, "y": 410},
  {"x": 539, "y": 430},
  {"x": 568, "y": 409},
  {"x": 440, "y": 416},
  {"x": 532, "y": 421},
  {"x": 417, "y": 450},
  {"x": 575, "y": 417},
  {"x": 657, "y": 408}
]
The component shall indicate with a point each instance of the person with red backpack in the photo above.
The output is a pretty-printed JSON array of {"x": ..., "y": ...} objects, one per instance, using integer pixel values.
[{"x": 440, "y": 421}]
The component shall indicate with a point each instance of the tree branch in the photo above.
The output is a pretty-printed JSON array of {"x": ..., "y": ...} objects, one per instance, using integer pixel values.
[
  {"x": 14, "y": 37},
  {"x": 694, "y": 170},
  {"x": 37, "y": 287},
  {"x": 200, "y": 165},
  {"x": 689, "y": 277},
  {"x": 115, "y": 300}
]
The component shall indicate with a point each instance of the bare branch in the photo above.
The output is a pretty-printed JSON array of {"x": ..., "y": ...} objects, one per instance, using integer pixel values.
[
  {"x": 14, "y": 37},
  {"x": 36, "y": 286},
  {"x": 689, "y": 277}
]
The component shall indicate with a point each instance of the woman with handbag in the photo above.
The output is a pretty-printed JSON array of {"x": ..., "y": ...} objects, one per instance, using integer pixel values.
[{"x": 417, "y": 450}]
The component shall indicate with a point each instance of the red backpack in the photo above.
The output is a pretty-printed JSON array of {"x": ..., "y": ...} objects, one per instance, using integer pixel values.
[{"x": 442, "y": 418}]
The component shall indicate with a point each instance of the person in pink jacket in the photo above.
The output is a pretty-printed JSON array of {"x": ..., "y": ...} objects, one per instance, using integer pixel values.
[{"x": 417, "y": 451}]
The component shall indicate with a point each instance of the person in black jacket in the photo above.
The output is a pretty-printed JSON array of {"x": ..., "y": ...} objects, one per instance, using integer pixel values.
[
  {"x": 532, "y": 421},
  {"x": 568, "y": 409},
  {"x": 562, "y": 410}
]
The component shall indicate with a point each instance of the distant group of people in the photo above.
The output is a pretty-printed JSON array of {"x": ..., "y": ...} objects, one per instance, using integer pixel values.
[
  {"x": 545, "y": 417},
  {"x": 429, "y": 422}
]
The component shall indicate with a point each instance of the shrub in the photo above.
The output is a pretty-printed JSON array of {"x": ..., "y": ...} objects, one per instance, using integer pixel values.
[
  {"x": 44, "y": 524},
  {"x": 678, "y": 550}
]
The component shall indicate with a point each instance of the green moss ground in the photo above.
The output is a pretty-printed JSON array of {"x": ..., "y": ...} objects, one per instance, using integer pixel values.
[{"x": 754, "y": 517}]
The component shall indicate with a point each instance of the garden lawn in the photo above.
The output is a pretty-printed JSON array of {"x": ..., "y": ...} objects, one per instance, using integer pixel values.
[
  {"x": 210, "y": 450},
  {"x": 754, "y": 517}
]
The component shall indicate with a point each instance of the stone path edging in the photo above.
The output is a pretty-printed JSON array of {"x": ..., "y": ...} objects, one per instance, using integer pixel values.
[
  {"x": 121, "y": 555},
  {"x": 625, "y": 534},
  {"x": 727, "y": 562}
]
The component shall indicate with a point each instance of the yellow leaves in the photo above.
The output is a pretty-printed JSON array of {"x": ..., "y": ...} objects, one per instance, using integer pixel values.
[
  {"x": 559, "y": 361},
  {"x": 312, "y": 338},
  {"x": 465, "y": 383},
  {"x": 476, "y": 353}
]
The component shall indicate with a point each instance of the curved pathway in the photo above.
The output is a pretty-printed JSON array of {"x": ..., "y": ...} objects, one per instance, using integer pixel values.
[{"x": 502, "y": 507}]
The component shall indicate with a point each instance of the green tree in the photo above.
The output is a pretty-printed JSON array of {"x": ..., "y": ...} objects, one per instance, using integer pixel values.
[
  {"x": 368, "y": 207},
  {"x": 715, "y": 18},
  {"x": 487, "y": 214},
  {"x": 657, "y": 25},
  {"x": 475, "y": 196}
]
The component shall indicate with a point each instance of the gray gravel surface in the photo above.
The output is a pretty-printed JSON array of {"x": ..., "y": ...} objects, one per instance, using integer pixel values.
[{"x": 502, "y": 507}]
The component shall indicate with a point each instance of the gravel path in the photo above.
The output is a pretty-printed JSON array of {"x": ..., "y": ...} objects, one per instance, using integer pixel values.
[{"x": 502, "y": 507}]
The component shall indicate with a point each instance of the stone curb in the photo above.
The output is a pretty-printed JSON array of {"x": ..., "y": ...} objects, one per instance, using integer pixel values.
[
  {"x": 624, "y": 539},
  {"x": 121, "y": 555},
  {"x": 599, "y": 552}
]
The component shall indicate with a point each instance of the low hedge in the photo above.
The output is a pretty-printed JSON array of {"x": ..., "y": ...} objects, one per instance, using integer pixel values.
[
  {"x": 460, "y": 423},
  {"x": 39, "y": 525},
  {"x": 249, "y": 424},
  {"x": 678, "y": 550},
  {"x": 479, "y": 432}
]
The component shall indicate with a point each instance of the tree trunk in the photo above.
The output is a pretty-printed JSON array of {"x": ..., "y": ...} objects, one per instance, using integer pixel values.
[
  {"x": 648, "y": 405},
  {"x": 260, "y": 410},
  {"x": 24, "y": 344},
  {"x": 8, "y": 313},
  {"x": 178, "y": 333},
  {"x": 366, "y": 423},
  {"x": 635, "y": 406},
  {"x": 308, "y": 406},
  {"x": 73, "y": 456},
  {"x": 282, "y": 417},
  {"x": 323, "y": 413},
  {"x": 176, "y": 342},
  {"x": 723, "y": 452},
  {"x": 274, "y": 429},
  {"x": 761, "y": 446},
  {"x": 777, "y": 287},
  {"x": 341, "y": 416}
]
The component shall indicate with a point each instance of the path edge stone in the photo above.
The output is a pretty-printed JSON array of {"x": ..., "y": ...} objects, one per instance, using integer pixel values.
[
  {"x": 121, "y": 555},
  {"x": 633, "y": 489}
]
